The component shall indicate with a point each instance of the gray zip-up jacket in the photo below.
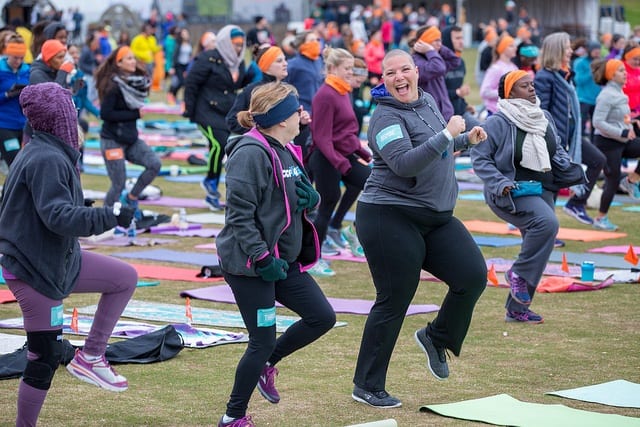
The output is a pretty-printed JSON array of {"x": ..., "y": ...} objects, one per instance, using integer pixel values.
[
  {"x": 493, "y": 161},
  {"x": 413, "y": 161},
  {"x": 612, "y": 108},
  {"x": 261, "y": 218},
  {"x": 43, "y": 213}
]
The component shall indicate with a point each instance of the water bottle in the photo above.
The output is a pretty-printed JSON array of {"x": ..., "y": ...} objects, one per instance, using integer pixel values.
[
  {"x": 183, "y": 224},
  {"x": 131, "y": 232},
  {"x": 587, "y": 271}
]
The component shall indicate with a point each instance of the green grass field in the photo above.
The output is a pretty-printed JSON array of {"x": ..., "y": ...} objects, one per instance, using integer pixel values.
[{"x": 587, "y": 338}]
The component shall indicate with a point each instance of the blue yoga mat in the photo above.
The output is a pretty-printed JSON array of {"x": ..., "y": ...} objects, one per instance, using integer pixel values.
[
  {"x": 497, "y": 242},
  {"x": 195, "y": 258},
  {"x": 174, "y": 313},
  {"x": 600, "y": 260}
]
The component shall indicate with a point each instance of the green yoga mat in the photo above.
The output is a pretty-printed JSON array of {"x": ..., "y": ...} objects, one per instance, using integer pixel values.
[{"x": 505, "y": 410}]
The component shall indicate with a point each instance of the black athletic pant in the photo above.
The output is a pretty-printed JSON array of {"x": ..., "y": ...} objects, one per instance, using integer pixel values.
[
  {"x": 399, "y": 242},
  {"x": 615, "y": 151},
  {"x": 256, "y": 298}
]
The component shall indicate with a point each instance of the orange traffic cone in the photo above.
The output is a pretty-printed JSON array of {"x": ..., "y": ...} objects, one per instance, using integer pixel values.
[
  {"x": 74, "y": 320},
  {"x": 631, "y": 256},
  {"x": 565, "y": 265},
  {"x": 491, "y": 275},
  {"x": 188, "y": 311}
]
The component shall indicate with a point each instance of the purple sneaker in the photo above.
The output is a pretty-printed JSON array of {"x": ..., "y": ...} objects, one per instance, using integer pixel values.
[
  {"x": 267, "y": 384},
  {"x": 523, "y": 317},
  {"x": 519, "y": 291},
  {"x": 238, "y": 422},
  {"x": 97, "y": 372}
]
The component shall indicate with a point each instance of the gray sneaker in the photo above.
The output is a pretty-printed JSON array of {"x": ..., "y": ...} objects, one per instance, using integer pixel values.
[
  {"x": 378, "y": 399},
  {"x": 336, "y": 237},
  {"x": 436, "y": 356}
]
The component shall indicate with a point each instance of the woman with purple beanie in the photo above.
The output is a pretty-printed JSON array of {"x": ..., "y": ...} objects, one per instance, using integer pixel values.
[{"x": 42, "y": 215}]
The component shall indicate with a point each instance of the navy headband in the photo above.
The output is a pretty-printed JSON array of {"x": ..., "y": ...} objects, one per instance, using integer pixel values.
[{"x": 278, "y": 113}]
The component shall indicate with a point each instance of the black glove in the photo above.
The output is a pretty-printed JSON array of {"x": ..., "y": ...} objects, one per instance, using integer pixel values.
[
  {"x": 125, "y": 216},
  {"x": 308, "y": 197},
  {"x": 15, "y": 90},
  {"x": 272, "y": 269},
  {"x": 88, "y": 202}
]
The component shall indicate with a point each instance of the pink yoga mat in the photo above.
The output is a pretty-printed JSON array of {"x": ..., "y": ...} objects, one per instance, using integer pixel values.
[
  {"x": 162, "y": 272},
  {"x": 614, "y": 249},
  {"x": 222, "y": 293}
]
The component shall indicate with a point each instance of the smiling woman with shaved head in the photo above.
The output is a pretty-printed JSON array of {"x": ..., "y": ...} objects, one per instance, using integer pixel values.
[{"x": 412, "y": 192}]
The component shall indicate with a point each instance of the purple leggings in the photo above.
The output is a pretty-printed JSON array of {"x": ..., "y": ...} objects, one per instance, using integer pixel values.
[{"x": 114, "y": 279}]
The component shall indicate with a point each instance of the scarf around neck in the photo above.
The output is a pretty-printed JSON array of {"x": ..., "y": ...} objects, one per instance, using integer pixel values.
[
  {"x": 340, "y": 85},
  {"x": 134, "y": 89},
  {"x": 531, "y": 119}
]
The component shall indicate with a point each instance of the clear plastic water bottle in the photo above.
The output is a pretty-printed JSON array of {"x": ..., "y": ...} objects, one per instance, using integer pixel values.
[
  {"x": 183, "y": 224},
  {"x": 132, "y": 232}
]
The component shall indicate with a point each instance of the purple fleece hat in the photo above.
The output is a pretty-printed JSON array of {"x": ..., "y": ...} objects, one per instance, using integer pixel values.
[{"x": 49, "y": 108}]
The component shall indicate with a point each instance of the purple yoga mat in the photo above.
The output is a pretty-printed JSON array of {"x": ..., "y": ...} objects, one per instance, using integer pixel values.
[
  {"x": 139, "y": 241},
  {"x": 178, "y": 202},
  {"x": 164, "y": 228},
  {"x": 201, "y": 232},
  {"x": 222, "y": 293}
]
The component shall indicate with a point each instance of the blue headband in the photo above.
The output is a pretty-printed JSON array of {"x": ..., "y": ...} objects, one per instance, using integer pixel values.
[
  {"x": 529, "y": 51},
  {"x": 278, "y": 113}
]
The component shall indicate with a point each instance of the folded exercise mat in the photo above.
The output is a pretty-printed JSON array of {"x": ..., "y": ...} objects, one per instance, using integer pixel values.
[
  {"x": 102, "y": 171},
  {"x": 470, "y": 186},
  {"x": 569, "y": 284},
  {"x": 162, "y": 228},
  {"x": 173, "y": 313},
  {"x": 198, "y": 232},
  {"x": 191, "y": 179},
  {"x": 10, "y": 342},
  {"x": 167, "y": 255},
  {"x": 496, "y": 242},
  {"x": 505, "y": 410},
  {"x": 6, "y": 296},
  {"x": 382, "y": 423},
  {"x": 475, "y": 196},
  {"x": 501, "y": 265},
  {"x": 177, "y": 202},
  {"x": 206, "y": 218},
  {"x": 223, "y": 293},
  {"x": 620, "y": 393},
  {"x": 94, "y": 194},
  {"x": 123, "y": 241},
  {"x": 493, "y": 227},
  {"x": 162, "y": 108},
  {"x": 123, "y": 329},
  {"x": 600, "y": 260},
  {"x": 621, "y": 249},
  {"x": 344, "y": 255},
  {"x": 163, "y": 272},
  {"x": 207, "y": 337}
]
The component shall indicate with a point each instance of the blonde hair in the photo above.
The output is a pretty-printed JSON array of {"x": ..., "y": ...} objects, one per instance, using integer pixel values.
[
  {"x": 264, "y": 98},
  {"x": 552, "y": 51},
  {"x": 333, "y": 57}
]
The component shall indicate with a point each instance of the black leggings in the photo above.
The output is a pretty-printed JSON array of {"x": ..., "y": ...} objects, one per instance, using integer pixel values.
[
  {"x": 614, "y": 151},
  {"x": 399, "y": 242},
  {"x": 256, "y": 298},
  {"x": 327, "y": 179}
]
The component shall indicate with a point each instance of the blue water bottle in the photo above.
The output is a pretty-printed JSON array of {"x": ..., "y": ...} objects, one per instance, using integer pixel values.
[{"x": 588, "y": 268}]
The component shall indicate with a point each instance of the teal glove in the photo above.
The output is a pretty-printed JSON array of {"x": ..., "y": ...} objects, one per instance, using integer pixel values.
[
  {"x": 308, "y": 197},
  {"x": 272, "y": 269}
]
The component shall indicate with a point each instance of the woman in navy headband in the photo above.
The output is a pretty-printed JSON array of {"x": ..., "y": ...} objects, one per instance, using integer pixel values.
[{"x": 268, "y": 244}]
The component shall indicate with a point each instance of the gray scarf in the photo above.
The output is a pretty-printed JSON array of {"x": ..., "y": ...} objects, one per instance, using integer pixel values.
[
  {"x": 134, "y": 90},
  {"x": 227, "y": 50},
  {"x": 531, "y": 119}
]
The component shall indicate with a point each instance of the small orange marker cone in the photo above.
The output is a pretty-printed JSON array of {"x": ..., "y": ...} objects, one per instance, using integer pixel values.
[
  {"x": 188, "y": 311},
  {"x": 565, "y": 265},
  {"x": 631, "y": 256},
  {"x": 74, "y": 320},
  {"x": 491, "y": 275}
]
